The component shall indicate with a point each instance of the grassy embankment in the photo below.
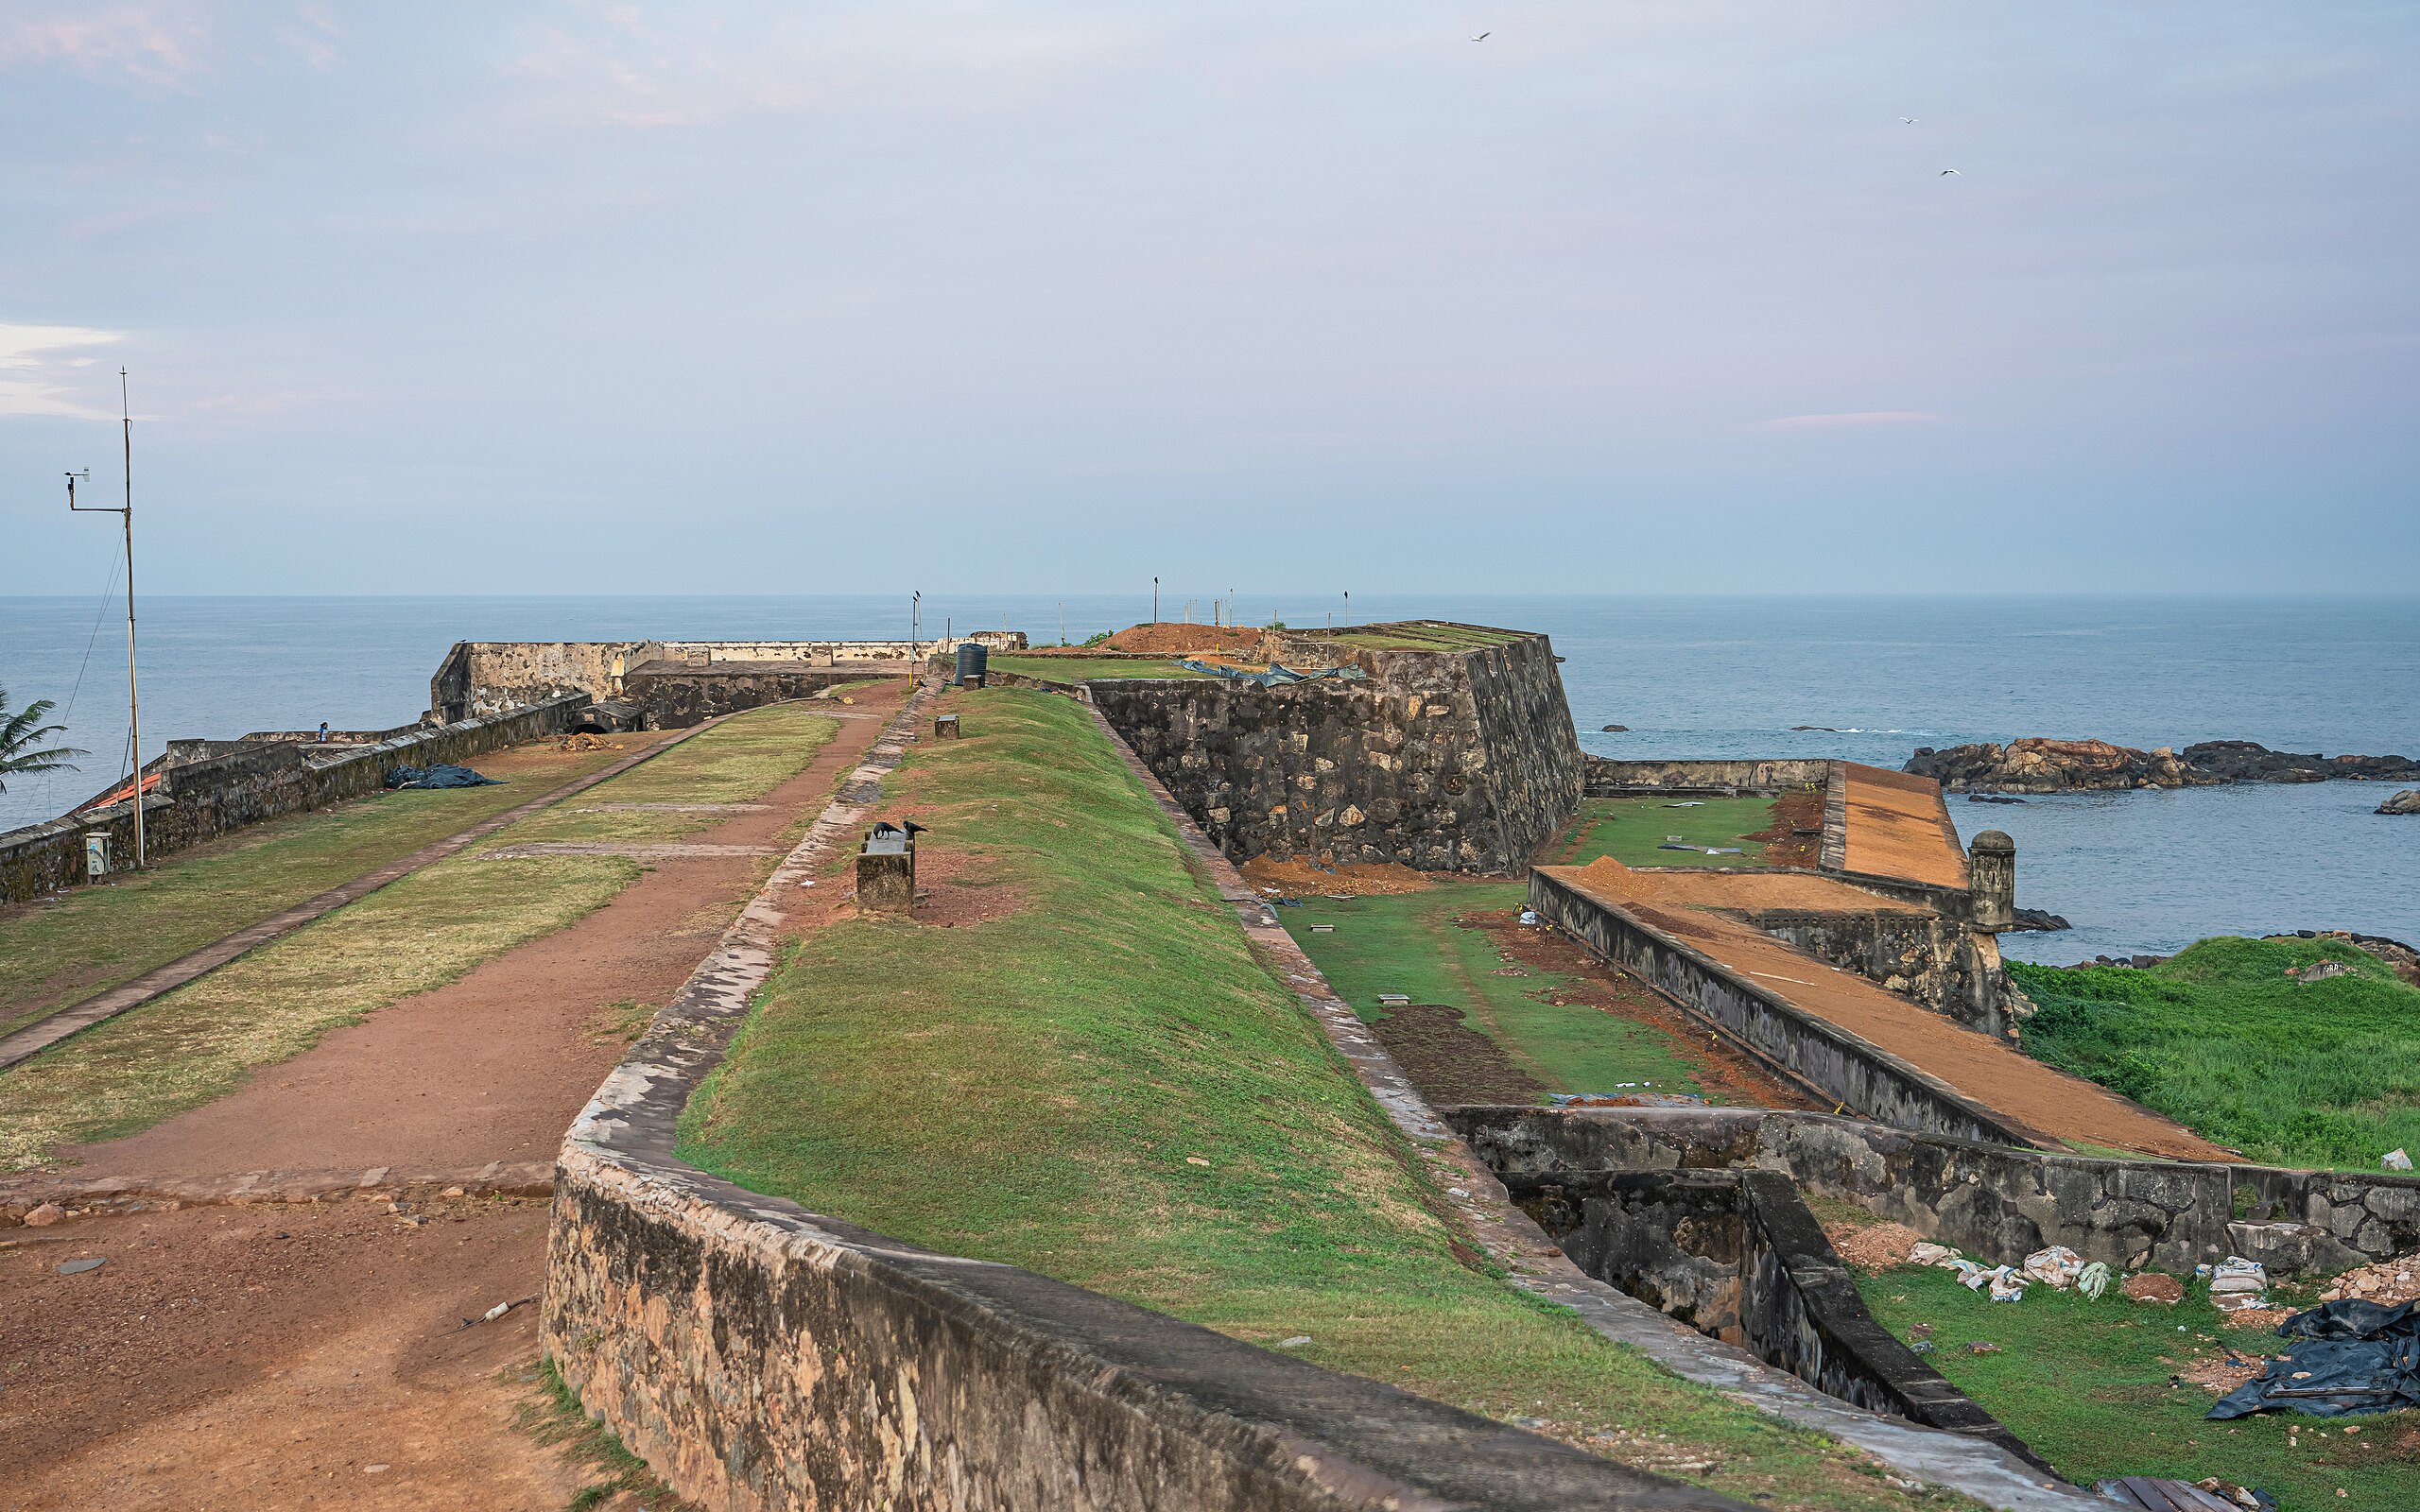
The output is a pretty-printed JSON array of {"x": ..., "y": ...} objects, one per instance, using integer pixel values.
[
  {"x": 1410, "y": 943},
  {"x": 1427, "y": 635},
  {"x": 1631, "y": 830},
  {"x": 61, "y": 952},
  {"x": 1103, "y": 1085},
  {"x": 2088, "y": 1384},
  {"x": 199, "y": 1042},
  {"x": 2220, "y": 1038},
  {"x": 1081, "y": 668}
]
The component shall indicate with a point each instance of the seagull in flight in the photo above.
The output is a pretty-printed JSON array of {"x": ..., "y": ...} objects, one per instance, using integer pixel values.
[
  {"x": 1484, "y": 36},
  {"x": 1947, "y": 172},
  {"x": 1907, "y": 120}
]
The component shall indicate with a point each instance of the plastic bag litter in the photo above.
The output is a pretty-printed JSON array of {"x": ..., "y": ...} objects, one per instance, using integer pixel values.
[
  {"x": 401, "y": 777},
  {"x": 2093, "y": 1280},
  {"x": 2397, "y": 1161},
  {"x": 1529, "y": 916},
  {"x": 2007, "y": 1285},
  {"x": 1928, "y": 1253},
  {"x": 1970, "y": 1275},
  {"x": 2239, "y": 1285},
  {"x": 2057, "y": 1266}
]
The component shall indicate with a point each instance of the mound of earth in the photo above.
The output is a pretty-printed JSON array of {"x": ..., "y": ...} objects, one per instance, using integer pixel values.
[
  {"x": 1293, "y": 874},
  {"x": 1169, "y": 639}
]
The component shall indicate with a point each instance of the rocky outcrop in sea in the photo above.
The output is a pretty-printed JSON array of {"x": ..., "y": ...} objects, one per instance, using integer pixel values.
[
  {"x": 2406, "y": 801},
  {"x": 2037, "y": 766}
]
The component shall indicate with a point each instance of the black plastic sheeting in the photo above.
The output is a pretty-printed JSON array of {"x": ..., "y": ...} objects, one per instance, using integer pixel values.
[
  {"x": 2354, "y": 1358},
  {"x": 435, "y": 777},
  {"x": 1275, "y": 677}
]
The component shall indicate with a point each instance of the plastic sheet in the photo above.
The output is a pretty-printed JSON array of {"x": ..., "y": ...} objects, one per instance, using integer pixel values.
[
  {"x": 402, "y": 777},
  {"x": 2354, "y": 1358}
]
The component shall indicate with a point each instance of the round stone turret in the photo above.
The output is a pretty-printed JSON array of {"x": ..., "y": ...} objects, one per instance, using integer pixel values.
[{"x": 1991, "y": 870}]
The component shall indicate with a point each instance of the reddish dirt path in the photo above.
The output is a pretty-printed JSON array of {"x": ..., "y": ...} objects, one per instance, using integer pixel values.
[{"x": 213, "y": 1363}]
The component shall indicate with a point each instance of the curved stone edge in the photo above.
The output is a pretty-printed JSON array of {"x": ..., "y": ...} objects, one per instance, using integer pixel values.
[
  {"x": 1536, "y": 1264},
  {"x": 762, "y": 1356}
]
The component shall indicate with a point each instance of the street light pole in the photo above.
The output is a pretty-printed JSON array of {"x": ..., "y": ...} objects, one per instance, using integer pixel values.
[{"x": 126, "y": 512}]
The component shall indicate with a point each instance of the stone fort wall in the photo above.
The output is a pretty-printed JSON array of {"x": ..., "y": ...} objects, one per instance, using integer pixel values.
[{"x": 1441, "y": 760}]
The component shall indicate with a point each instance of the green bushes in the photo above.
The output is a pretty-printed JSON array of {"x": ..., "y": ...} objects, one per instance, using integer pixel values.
[{"x": 2224, "y": 1040}]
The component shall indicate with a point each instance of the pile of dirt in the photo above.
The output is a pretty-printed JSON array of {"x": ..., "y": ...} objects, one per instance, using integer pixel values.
[
  {"x": 1169, "y": 639},
  {"x": 1293, "y": 874},
  {"x": 1794, "y": 836},
  {"x": 1452, "y": 1063},
  {"x": 1874, "y": 1247},
  {"x": 2386, "y": 1282},
  {"x": 586, "y": 742}
]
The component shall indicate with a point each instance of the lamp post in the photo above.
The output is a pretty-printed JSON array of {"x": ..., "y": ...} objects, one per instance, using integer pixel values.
[
  {"x": 1156, "y": 598},
  {"x": 915, "y": 608},
  {"x": 126, "y": 511}
]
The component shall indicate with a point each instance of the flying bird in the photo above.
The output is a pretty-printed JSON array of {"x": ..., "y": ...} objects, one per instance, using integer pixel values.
[
  {"x": 1484, "y": 36},
  {"x": 1947, "y": 172},
  {"x": 1907, "y": 120}
]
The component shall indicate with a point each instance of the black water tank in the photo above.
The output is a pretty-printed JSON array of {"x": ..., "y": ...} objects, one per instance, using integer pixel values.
[{"x": 971, "y": 664}]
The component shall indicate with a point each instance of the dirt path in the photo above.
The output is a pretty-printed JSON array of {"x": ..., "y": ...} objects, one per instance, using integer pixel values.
[{"x": 269, "y": 1356}]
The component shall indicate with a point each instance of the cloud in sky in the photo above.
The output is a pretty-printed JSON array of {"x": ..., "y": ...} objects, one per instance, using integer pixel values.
[
  {"x": 1093, "y": 275},
  {"x": 32, "y": 367},
  {"x": 1851, "y": 421}
]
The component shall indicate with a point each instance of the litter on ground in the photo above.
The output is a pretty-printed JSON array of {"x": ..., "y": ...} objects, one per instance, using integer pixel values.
[
  {"x": 402, "y": 776},
  {"x": 2353, "y": 1357}
]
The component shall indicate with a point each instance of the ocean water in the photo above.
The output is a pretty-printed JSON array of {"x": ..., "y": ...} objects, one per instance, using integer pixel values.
[{"x": 1690, "y": 676}]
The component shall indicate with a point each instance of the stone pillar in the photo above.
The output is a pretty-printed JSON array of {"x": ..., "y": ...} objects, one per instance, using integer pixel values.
[
  {"x": 944, "y": 727},
  {"x": 1991, "y": 866},
  {"x": 886, "y": 877}
]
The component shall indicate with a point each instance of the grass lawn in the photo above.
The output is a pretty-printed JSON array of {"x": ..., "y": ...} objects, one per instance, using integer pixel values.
[
  {"x": 58, "y": 952},
  {"x": 2086, "y": 1383},
  {"x": 1629, "y": 829},
  {"x": 2221, "y": 1039},
  {"x": 1081, "y": 668},
  {"x": 1410, "y": 943},
  {"x": 1102, "y": 1084},
  {"x": 1427, "y": 636},
  {"x": 199, "y": 1042}
]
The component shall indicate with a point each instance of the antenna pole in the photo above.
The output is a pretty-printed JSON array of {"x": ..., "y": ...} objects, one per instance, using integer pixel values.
[{"x": 134, "y": 697}]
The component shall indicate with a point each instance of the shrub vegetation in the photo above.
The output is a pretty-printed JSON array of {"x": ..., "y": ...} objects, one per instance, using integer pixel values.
[{"x": 2224, "y": 1040}]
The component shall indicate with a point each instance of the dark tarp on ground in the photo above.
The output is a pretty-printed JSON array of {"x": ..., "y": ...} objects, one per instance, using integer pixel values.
[
  {"x": 1275, "y": 677},
  {"x": 435, "y": 777},
  {"x": 2353, "y": 1358}
]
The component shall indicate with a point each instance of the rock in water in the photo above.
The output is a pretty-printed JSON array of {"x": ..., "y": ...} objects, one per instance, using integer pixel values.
[
  {"x": 1617, "y": 730},
  {"x": 2035, "y": 766},
  {"x": 2406, "y": 801}
]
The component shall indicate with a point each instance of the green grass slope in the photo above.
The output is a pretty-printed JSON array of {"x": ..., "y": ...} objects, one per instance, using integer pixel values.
[
  {"x": 1102, "y": 1084},
  {"x": 1410, "y": 943},
  {"x": 2088, "y": 1384},
  {"x": 2222, "y": 1040}
]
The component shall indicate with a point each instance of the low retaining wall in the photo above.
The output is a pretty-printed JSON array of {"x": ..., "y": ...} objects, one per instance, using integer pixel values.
[
  {"x": 257, "y": 781},
  {"x": 1737, "y": 1254},
  {"x": 671, "y": 698},
  {"x": 760, "y": 1356},
  {"x": 1818, "y": 1055},
  {"x": 1935, "y": 961},
  {"x": 1602, "y": 777},
  {"x": 1989, "y": 1200}
]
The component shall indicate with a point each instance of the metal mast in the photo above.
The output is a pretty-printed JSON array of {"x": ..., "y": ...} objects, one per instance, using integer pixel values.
[{"x": 126, "y": 512}]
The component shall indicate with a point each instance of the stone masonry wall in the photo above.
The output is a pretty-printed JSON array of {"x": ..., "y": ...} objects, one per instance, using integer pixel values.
[
  {"x": 258, "y": 779},
  {"x": 483, "y": 677},
  {"x": 1604, "y": 777},
  {"x": 1935, "y": 961},
  {"x": 1805, "y": 1049},
  {"x": 1443, "y": 761},
  {"x": 1992, "y": 1201}
]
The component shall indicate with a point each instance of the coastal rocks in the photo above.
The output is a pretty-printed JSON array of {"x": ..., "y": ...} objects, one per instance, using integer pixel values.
[
  {"x": 2406, "y": 801},
  {"x": 2039, "y": 918},
  {"x": 2038, "y": 766},
  {"x": 1617, "y": 730}
]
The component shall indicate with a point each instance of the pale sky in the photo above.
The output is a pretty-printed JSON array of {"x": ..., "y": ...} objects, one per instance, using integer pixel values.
[{"x": 462, "y": 298}]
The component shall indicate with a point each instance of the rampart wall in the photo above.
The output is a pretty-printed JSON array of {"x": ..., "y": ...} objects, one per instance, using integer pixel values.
[
  {"x": 1992, "y": 1201},
  {"x": 1604, "y": 777},
  {"x": 198, "y": 798},
  {"x": 483, "y": 677},
  {"x": 762, "y": 1356},
  {"x": 1460, "y": 761},
  {"x": 1735, "y": 1253},
  {"x": 1808, "y": 1050}
]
